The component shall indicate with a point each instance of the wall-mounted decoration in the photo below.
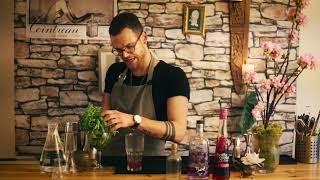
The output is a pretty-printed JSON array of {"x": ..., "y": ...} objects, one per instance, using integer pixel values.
[
  {"x": 70, "y": 19},
  {"x": 194, "y": 19},
  {"x": 239, "y": 32}
]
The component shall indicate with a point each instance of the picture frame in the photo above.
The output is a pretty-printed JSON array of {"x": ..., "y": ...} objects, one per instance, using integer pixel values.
[
  {"x": 69, "y": 19},
  {"x": 194, "y": 19}
]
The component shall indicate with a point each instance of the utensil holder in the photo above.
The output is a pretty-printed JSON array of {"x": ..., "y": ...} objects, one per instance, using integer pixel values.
[{"x": 307, "y": 149}]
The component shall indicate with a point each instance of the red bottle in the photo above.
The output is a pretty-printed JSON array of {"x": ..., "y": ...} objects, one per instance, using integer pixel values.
[{"x": 221, "y": 163}]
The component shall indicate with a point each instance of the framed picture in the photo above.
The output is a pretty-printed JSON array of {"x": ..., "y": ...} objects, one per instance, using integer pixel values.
[
  {"x": 69, "y": 19},
  {"x": 194, "y": 19}
]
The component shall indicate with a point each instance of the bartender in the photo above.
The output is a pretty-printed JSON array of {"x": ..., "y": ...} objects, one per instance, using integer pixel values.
[{"x": 142, "y": 93}]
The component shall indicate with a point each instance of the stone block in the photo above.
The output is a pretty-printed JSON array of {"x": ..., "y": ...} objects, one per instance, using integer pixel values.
[
  {"x": 73, "y": 98},
  {"x": 198, "y": 96},
  {"x": 22, "y": 121},
  {"x": 164, "y": 20},
  {"x": 37, "y": 63},
  {"x": 273, "y": 11},
  {"x": 35, "y": 107},
  {"x": 156, "y": 8},
  {"x": 94, "y": 94},
  {"x": 22, "y": 137},
  {"x": 87, "y": 76},
  {"x": 77, "y": 63},
  {"x": 29, "y": 94},
  {"x": 50, "y": 91},
  {"x": 22, "y": 82},
  {"x": 174, "y": 8},
  {"x": 21, "y": 50},
  {"x": 196, "y": 83},
  {"x": 190, "y": 52}
]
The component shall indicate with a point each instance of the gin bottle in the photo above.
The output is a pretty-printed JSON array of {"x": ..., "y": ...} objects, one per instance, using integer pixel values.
[
  {"x": 173, "y": 164},
  {"x": 198, "y": 155},
  {"x": 221, "y": 163}
]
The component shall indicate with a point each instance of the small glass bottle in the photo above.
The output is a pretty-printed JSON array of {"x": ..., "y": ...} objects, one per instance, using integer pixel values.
[
  {"x": 221, "y": 163},
  {"x": 52, "y": 157},
  {"x": 198, "y": 155},
  {"x": 173, "y": 164}
]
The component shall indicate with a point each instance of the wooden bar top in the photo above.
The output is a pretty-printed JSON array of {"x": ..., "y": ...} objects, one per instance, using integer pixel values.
[{"x": 31, "y": 171}]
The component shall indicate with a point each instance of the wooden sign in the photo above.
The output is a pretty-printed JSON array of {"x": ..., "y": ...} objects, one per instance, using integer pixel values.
[{"x": 239, "y": 32}]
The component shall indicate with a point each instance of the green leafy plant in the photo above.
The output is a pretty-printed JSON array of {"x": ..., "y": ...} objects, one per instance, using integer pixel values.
[
  {"x": 92, "y": 122},
  {"x": 247, "y": 119},
  {"x": 273, "y": 128}
]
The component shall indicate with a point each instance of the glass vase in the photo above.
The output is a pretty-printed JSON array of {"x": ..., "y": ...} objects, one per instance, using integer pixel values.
[
  {"x": 85, "y": 157},
  {"x": 267, "y": 145}
]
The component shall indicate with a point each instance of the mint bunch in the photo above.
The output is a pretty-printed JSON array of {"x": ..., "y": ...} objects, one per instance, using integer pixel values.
[{"x": 92, "y": 122}]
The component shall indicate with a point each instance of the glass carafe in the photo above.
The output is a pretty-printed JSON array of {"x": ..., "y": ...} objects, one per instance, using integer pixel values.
[{"x": 52, "y": 157}]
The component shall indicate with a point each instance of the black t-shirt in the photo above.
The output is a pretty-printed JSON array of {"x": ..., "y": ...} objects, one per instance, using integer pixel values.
[{"x": 167, "y": 81}]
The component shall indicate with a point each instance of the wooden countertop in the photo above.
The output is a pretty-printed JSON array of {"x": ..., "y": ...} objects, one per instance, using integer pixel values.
[{"x": 31, "y": 171}]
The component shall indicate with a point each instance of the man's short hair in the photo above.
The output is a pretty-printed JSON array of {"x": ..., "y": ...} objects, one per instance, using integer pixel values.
[{"x": 125, "y": 20}]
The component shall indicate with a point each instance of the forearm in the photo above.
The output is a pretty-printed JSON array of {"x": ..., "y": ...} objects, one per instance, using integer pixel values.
[
  {"x": 105, "y": 105},
  {"x": 175, "y": 128},
  {"x": 167, "y": 130}
]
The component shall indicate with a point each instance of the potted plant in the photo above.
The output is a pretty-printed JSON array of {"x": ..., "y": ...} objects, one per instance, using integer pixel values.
[
  {"x": 97, "y": 132},
  {"x": 279, "y": 83}
]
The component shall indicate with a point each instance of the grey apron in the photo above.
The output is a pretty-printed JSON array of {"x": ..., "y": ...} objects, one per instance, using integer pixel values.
[{"x": 134, "y": 100}]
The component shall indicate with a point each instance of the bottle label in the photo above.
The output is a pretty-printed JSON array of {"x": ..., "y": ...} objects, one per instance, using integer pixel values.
[
  {"x": 222, "y": 160},
  {"x": 198, "y": 163},
  {"x": 201, "y": 171}
]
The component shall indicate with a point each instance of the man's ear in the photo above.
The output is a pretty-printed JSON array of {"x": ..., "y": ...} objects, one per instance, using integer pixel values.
[{"x": 144, "y": 37}]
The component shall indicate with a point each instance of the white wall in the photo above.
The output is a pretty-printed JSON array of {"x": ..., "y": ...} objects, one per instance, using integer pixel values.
[{"x": 308, "y": 85}]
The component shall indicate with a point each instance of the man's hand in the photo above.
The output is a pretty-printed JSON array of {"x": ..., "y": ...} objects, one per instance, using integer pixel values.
[{"x": 116, "y": 119}]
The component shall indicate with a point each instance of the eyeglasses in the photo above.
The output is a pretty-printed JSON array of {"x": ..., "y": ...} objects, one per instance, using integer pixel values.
[{"x": 130, "y": 48}]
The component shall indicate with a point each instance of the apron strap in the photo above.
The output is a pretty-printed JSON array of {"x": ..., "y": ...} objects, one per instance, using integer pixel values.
[
  {"x": 123, "y": 75},
  {"x": 151, "y": 68}
]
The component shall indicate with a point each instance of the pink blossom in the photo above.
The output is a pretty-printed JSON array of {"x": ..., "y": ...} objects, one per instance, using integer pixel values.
[
  {"x": 276, "y": 82},
  {"x": 268, "y": 47},
  {"x": 265, "y": 86},
  {"x": 308, "y": 61},
  {"x": 272, "y": 50},
  {"x": 302, "y": 3},
  {"x": 293, "y": 35},
  {"x": 288, "y": 89},
  {"x": 250, "y": 77},
  {"x": 301, "y": 18},
  {"x": 291, "y": 13},
  {"x": 295, "y": 15},
  {"x": 258, "y": 109},
  {"x": 277, "y": 51}
]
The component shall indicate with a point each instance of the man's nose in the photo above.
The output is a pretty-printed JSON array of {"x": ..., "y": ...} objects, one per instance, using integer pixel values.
[{"x": 125, "y": 54}]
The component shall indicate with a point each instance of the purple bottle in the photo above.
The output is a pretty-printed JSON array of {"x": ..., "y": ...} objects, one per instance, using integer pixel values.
[{"x": 198, "y": 155}]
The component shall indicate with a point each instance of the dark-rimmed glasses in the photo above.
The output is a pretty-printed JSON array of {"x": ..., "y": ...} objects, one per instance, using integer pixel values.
[{"x": 130, "y": 48}]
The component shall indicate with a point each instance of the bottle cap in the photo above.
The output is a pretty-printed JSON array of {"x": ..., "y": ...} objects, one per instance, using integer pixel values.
[
  {"x": 224, "y": 113},
  {"x": 174, "y": 147}
]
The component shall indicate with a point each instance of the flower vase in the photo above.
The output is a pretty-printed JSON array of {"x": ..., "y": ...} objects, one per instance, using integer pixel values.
[{"x": 267, "y": 145}]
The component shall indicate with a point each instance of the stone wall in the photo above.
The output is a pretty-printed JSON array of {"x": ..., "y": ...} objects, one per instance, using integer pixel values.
[{"x": 56, "y": 79}]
